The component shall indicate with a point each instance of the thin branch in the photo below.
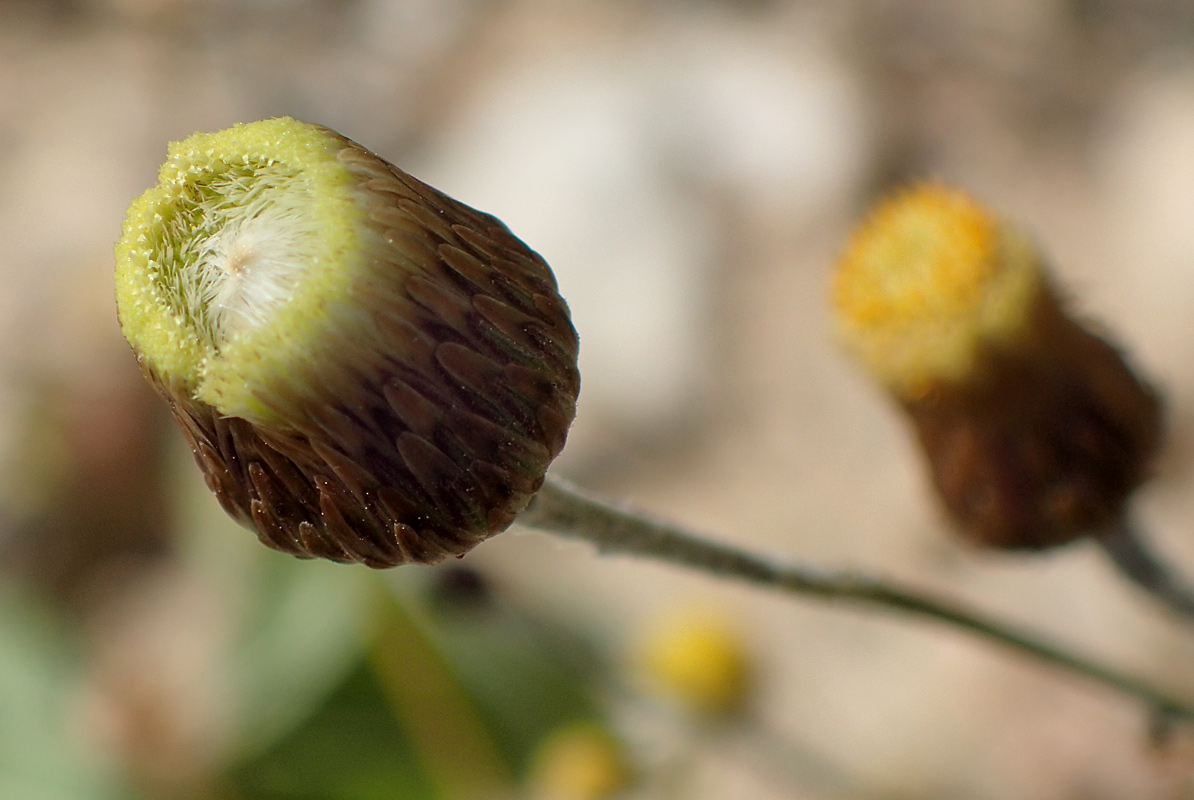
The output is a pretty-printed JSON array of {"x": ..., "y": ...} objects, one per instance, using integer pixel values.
[
  {"x": 1136, "y": 559},
  {"x": 565, "y": 510}
]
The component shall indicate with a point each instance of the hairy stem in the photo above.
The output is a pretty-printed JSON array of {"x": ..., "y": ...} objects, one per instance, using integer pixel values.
[
  {"x": 1136, "y": 560},
  {"x": 564, "y": 510}
]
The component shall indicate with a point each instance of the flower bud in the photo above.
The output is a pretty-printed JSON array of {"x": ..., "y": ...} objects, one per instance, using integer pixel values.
[
  {"x": 1035, "y": 429},
  {"x": 365, "y": 369}
]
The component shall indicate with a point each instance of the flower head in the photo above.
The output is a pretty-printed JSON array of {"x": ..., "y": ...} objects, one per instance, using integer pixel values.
[
  {"x": 579, "y": 761},
  {"x": 698, "y": 660},
  {"x": 927, "y": 283},
  {"x": 1035, "y": 429},
  {"x": 365, "y": 369}
]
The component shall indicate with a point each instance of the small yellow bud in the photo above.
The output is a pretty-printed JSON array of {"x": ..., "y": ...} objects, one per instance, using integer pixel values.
[
  {"x": 366, "y": 369},
  {"x": 578, "y": 762},
  {"x": 1035, "y": 429},
  {"x": 699, "y": 661}
]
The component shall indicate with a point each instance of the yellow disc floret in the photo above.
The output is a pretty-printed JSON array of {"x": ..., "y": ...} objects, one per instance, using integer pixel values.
[
  {"x": 927, "y": 282},
  {"x": 231, "y": 268}
]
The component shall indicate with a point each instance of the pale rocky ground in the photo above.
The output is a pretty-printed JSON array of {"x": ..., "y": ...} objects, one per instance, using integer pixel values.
[{"x": 690, "y": 170}]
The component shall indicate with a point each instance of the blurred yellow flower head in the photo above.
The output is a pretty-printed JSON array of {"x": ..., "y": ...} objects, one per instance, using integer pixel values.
[
  {"x": 1035, "y": 429},
  {"x": 581, "y": 761},
  {"x": 698, "y": 660},
  {"x": 929, "y": 280}
]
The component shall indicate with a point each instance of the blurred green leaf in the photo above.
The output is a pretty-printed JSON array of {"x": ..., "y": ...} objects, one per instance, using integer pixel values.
[
  {"x": 351, "y": 748},
  {"x": 42, "y": 751},
  {"x": 527, "y": 673},
  {"x": 450, "y": 702},
  {"x": 303, "y": 632},
  {"x": 298, "y": 627}
]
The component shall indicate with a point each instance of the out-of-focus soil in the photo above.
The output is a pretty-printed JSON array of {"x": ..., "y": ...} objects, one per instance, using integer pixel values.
[{"x": 690, "y": 170}]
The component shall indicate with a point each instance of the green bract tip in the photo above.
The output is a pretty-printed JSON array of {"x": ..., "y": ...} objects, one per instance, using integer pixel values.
[
  {"x": 366, "y": 369},
  {"x": 231, "y": 265}
]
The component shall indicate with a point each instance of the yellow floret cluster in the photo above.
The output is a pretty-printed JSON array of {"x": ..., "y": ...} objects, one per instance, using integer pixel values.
[{"x": 928, "y": 281}]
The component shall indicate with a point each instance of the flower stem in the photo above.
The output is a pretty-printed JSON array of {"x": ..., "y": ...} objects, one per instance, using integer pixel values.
[
  {"x": 563, "y": 509},
  {"x": 1136, "y": 560}
]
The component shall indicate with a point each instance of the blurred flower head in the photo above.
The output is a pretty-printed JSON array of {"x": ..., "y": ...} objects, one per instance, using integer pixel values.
[
  {"x": 1035, "y": 429},
  {"x": 698, "y": 660},
  {"x": 928, "y": 281},
  {"x": 581, "y": 761}
]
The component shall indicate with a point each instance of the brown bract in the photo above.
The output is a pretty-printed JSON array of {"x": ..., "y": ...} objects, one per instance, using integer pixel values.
[
  {"x": 1048, "y": 444},
  {"x": 436, "y": 426}
]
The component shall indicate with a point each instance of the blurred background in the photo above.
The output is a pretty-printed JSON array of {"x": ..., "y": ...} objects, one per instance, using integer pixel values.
[{"x": 691, "y": 170}]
